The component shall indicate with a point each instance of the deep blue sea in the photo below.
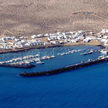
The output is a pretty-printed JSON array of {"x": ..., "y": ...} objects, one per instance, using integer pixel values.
[{"x": 82, "y": 88}]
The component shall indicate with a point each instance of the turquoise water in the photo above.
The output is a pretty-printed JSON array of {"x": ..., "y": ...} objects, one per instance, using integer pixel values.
[{"x": 83, "y": 88}]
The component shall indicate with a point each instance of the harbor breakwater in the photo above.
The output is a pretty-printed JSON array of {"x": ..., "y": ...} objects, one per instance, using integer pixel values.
[
  {"x": 18, "y": 66},
  {"x": 65, "y": 69}
]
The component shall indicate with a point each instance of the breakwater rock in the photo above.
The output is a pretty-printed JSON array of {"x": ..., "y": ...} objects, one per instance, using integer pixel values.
[
  {"x": 65, "y": 69},
  {"x": 18, "y": 66}
]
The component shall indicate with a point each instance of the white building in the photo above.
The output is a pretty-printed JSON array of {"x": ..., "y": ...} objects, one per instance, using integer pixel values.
[
  {"x": 87, "y": 39},
  {"x": 104, "y": 52},
  {"x": 104, "y": 31},
  {"x": 105, "y": 37}
]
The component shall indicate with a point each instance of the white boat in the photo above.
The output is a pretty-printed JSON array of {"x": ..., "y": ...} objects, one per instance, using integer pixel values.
[
  {"x": 52, "y": 56},
  {"x": 37, "y": 55},
  {"x": 39, "y": 62},
  {"x": 45, "y": 57}
]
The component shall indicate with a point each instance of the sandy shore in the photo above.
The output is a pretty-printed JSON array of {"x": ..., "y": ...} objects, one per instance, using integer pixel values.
[{"x": 91, "y": 43}]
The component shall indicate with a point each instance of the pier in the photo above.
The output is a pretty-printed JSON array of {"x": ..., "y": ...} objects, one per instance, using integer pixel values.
[
  {"x": 18, "y": 66},
  {"x": 65, "y": 69}
]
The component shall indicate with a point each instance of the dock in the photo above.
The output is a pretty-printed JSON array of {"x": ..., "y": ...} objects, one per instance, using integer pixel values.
[
  {"x": 18, "y": 66},
  {"x": 65, "y": 69}
]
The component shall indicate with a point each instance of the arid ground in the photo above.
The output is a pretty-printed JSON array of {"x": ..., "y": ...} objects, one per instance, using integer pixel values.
[{"x": 26, "y": 17}]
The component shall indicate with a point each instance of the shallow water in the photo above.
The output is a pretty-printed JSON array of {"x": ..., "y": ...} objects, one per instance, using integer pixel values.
[{"x": 82, "y": 88}]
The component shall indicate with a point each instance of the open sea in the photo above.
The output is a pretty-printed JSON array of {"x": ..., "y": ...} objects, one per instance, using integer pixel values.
[{"x": 82, "y": 88}]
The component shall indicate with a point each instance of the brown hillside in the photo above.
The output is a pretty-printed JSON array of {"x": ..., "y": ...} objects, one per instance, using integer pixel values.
[{"x": 41, "y": 16}]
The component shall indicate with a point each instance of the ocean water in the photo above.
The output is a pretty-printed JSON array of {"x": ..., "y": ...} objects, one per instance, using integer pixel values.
[{"x": 82, "y": 88}]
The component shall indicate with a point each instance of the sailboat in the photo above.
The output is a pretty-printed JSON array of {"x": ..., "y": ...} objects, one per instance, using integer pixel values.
[{"x": 52, "y": 56}]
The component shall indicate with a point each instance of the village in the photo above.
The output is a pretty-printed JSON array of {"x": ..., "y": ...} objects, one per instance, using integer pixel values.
[
  {"x": 15, "y": 43},
  {"x": 53, "y": 39}
]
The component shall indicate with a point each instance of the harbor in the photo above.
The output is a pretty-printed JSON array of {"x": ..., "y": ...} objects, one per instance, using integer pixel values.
[{"x": 41, "y": 57}]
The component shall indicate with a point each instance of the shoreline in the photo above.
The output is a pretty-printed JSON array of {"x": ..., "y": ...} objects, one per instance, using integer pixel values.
[{"x": 49, "y": 46}]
